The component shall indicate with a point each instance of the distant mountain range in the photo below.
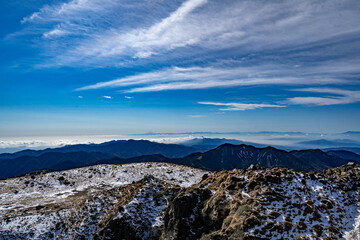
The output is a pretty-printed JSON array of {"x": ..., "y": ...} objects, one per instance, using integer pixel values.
[
  {"x": 120, "y": 148},
  {"x": 226, "y": 156},
  {"x": 230, "y": 156}
]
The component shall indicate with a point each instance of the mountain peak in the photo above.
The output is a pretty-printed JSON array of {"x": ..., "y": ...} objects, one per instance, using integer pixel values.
[{"x": 229, "y": 156}]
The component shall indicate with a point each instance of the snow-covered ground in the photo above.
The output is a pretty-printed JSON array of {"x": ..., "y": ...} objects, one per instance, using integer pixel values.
[
  {"x": 309, "y": 208},
  {"x": 39, "y": 207}
]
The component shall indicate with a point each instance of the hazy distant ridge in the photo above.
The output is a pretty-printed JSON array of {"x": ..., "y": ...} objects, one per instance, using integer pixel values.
[{"x": 226, "y": 156}]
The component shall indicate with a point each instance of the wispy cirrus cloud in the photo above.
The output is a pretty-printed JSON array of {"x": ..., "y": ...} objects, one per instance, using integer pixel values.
[
  {"x": 55, "y": 33},
  {"x": 111, "y": 32},
  {"x": 107, "y": 97},
  {"x": 176, "y": 78},
  {"x": 140, "y": 42},
  {"x": 273, "y": 36},
  {"x": 108, "y": 23},
  {"x": 71, "y": 11},
  {"x": 312, "y": 43},
  {"x": 75, "y": 18},
  {"x": 240, "y": 106},
  {"x": 333, "y": 96}
]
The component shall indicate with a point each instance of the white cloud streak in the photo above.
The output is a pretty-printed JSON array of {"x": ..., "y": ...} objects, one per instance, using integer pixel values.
[
  {"x": 107, "y": 97},
  {"x": 144, "y": 42},
  {"x": 197, "y": 25},
  {"x": 339, "y": 96},
  {"x": 209, "y": 77},
  {"x": 55, "y": 33},
  {"x": 279, "y": 36},
  {"x": 156, "y": 34},
  {"x": 75, "y": 18},
  {"x": 240, "y": 106},
  {"x": 72, "y": 10}
]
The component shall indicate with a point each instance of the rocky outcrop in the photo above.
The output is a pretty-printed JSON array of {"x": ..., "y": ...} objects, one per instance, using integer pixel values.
[
  {"x": 255, "y": 203},
  {"x": 138, "y": 214},
  {"x": 267, "y": 204}
]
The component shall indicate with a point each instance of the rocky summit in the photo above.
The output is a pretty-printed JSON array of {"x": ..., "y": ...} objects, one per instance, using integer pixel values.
[
  {"x": 261, "y": 203},
  {"x": 168, "y": 201}
]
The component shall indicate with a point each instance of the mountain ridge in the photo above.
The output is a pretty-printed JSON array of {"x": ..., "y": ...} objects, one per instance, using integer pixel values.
[
  {"x": 117, "y": 148},
  {"x": 229, "y": 156},
  {"x": 226, "y": 156}
]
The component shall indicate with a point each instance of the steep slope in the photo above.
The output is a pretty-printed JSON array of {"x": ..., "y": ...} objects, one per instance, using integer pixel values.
[
  {"x": 139, "y": 215},
  {"x": 230, "y": 156},
  {"x": 120, "y": 148},
  {"x": 318, "y": 160}
]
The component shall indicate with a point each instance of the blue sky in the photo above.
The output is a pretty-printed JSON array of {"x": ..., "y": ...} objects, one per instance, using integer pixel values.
[{"x": 91, "y": 67}]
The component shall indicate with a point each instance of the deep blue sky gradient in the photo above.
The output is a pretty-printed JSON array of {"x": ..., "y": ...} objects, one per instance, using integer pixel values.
[{"x": 40, "y": 76}]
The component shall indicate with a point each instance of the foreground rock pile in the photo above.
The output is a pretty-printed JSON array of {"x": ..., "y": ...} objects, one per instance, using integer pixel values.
[
  {"x": 268, "y": 204},
  {"x": 255, "y": 203}
]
